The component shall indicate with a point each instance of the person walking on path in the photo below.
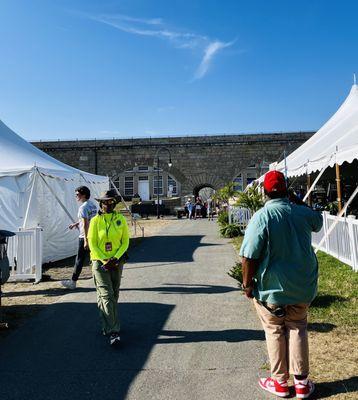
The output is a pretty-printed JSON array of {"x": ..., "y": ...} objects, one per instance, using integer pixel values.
[
  {"x": 210, "y": 211},
  {"x": 108, "y": 239},
  {"x": 280, "y": 273},
  {"x": 189, "y": 206},
  {"x": 198, "y": 206},
  {"x": 86, "y": 212}
]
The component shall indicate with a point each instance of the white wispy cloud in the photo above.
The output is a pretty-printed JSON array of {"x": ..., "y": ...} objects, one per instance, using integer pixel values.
[
  {"x": 211, "y": 50},
  {"x": 156, "y": 27}
]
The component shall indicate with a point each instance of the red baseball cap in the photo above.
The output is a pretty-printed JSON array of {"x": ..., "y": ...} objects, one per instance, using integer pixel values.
[{"x": 274, "y": 181}]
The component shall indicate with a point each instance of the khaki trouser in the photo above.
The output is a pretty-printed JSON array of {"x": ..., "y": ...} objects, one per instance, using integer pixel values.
[
  {"x": 286, "y": 339},
  {"x": 107, "y": 287}
]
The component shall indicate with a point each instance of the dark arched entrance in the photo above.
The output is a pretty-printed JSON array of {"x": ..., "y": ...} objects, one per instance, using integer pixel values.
[{"x": 204, "y": 191}]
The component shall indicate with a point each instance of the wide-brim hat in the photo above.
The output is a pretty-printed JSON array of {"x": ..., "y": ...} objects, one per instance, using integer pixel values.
[{"x": 110, "y": 194}]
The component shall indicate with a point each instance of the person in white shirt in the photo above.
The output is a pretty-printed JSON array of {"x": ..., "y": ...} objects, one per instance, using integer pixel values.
[{"x": 86, "y": 212}]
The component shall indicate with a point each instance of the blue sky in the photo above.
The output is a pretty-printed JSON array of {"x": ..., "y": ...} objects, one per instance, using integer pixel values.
[{"x": 120, "y": 68}]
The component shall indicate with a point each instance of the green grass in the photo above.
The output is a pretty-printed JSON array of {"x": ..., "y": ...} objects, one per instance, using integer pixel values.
[
  {"x": 336, "y": 303},
  {"x": 337, "y": 299},
  {"x": 237, "y": 242}
]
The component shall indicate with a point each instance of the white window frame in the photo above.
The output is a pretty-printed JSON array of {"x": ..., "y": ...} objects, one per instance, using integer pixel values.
[
  {"x": 155, "y": 190},
  {"x": 174, "y": 183},
  {"x": 241, "y": 185},
  {"x": 128, "y": 191}
]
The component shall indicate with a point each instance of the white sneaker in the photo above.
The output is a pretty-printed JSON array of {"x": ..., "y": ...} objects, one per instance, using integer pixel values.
[
  {"x": 303, "y": 388},
  {"x": 114, "y": 339},
  {"x": 69, "y": 284}
]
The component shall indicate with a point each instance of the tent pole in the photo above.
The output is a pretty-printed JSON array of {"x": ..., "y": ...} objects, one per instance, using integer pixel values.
[
  {"x": 30, "y": 199},
  {"x": 120, "y": 195},
  {"x": 58, "y": 200},
  {"x": 344, "y": 209},
  {"x": 134, "y": 222},
  {"x": 309, "y": 199},
  {"x": 316, "y": 180},
  {"x": 339, "y": 191}
]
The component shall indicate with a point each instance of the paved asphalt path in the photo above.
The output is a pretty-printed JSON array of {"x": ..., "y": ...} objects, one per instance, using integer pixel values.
[{"x": 187, "y": 333}]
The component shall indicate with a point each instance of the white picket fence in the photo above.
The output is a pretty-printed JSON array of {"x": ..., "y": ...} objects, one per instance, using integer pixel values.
[
  {"x": 25, "y": 255},
  {"x": 342, "y": 243},
  {"x": 240, "y": 216}
]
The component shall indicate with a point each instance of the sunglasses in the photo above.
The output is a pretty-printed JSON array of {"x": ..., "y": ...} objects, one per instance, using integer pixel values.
[{"x": 108, "y": 202}]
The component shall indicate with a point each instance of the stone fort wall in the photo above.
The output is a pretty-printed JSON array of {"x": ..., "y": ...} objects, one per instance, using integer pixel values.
[{"x": 197, "y": 161}]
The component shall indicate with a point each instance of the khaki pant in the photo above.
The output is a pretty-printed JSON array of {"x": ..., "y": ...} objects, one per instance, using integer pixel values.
[
  {"x": 107, "y": 286},
  {"x": 286, "y": 339}
]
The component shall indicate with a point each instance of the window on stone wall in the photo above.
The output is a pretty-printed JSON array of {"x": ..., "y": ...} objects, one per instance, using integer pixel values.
[
  {"x": 238, "y": 183},
  {"x": 143, "y": 168},
  {"x": 128, "y": 186},
  {"x": 250, "y": 177},
  {"x": 117, "y": 182},
  {"x": 172, "y": 182},
  {"x": 158, "y": 185}
]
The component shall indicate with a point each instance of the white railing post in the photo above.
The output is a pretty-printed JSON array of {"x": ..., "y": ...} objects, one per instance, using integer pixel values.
[
  {"x": 38, "y": 254},
  {"x": 325, "y": 228},
  {"x": 352, "y": 242}
]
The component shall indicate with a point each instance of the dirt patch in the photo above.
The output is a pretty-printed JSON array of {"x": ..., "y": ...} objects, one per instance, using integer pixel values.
[
  {"x": 22, "y": 300},
  {"x": 334, "y": 363}
]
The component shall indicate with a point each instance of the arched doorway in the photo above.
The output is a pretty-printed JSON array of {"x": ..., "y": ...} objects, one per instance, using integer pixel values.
[{"x": 204, "y": 191}]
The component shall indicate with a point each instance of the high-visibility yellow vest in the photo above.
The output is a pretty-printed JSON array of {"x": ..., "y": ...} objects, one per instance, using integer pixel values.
[{"x": 108, "y": 236}]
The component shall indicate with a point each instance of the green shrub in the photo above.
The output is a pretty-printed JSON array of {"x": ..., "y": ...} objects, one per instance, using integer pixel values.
[
  {"x": 332, "y": 207},
  {"x": 230, "y": 230},
  {"x": 251, "y": 199},
  {"x": 236, "y": 273},
  {"x": 223, "y": 218}
]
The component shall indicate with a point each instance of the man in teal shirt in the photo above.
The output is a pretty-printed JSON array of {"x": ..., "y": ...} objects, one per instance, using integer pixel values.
[{"x": 280, "y": 272}]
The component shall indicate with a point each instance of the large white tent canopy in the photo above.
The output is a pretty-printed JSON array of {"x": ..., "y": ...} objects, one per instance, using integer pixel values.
[
  {"x": 34, "y": 191},
  {"x": 335, "y": 142}
]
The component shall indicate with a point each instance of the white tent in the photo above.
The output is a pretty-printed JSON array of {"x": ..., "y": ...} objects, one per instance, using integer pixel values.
[
  {"x": 335, "y": 142},
  {"x": 38, "y": 190}
]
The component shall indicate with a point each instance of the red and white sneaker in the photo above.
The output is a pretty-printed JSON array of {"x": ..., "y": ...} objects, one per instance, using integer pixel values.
[
  {"x": 273, "y": 386},
  {"x": 303, "y": 388}
]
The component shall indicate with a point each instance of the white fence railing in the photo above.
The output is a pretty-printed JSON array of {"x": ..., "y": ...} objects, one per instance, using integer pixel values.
[
  {"x": 342, "y": 243},
  {"x": 25, "y": 255},
  {"x": 240, "y": 216}
]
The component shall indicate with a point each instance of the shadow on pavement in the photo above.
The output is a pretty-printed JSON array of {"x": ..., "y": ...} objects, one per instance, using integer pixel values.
[
  {"x": 168, "y": 288},
  {"x": 168, "y": 249},
  {"x": 325, "y": 390},
  {"x": 229, "y": 335},
  {"x": 48, "y": 292},
  {"x": 60, "y": 354}
]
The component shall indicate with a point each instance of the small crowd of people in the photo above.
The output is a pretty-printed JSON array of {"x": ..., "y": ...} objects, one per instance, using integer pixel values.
[{"x": 199, "y": 208}]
